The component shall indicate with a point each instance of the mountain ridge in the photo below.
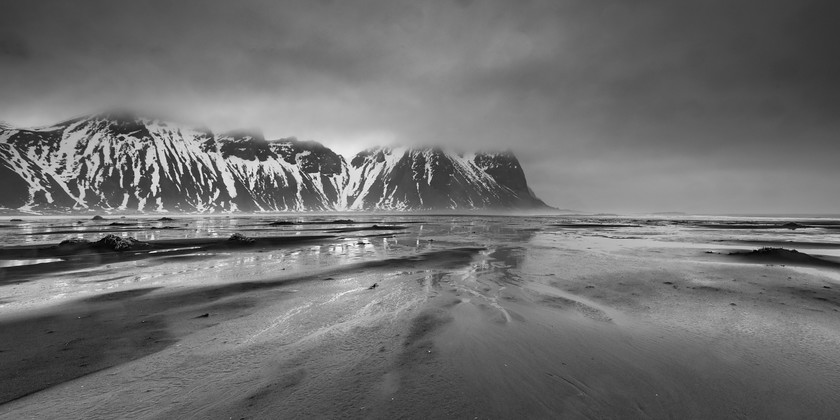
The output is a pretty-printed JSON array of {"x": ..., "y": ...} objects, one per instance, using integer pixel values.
[{"x": 121, "y": 162}]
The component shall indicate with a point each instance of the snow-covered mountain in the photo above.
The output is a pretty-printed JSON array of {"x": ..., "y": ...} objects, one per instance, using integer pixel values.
[
  {"x": 122, "y": 162},
  {"x": 431, "y": 178}
]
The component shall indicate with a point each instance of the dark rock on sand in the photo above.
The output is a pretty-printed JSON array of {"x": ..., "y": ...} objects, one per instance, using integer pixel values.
[
  {"x": 281, "y": 223},
  {"x": 783, "y": 256},
  {"x": 120, "y": 224},
  {"x": 16, "y": 220},
  {"x": 241, "y": 239},
  {"x": 373, "y": 286},
  {"x": 166, "y": 219},
  {"x": 97, "y": 217},
  {"x": 118, "y": 243},
  {"x": 772, "y": 252},
  {"x": 769, "y": 251},
  {"x": 793, "y": 226}
]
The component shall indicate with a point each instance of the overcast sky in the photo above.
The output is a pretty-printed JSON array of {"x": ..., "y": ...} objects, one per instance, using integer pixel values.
[{"x": 615, "y": 106}]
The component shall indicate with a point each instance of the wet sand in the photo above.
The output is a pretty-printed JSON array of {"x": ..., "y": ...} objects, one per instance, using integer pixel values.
[
  {"x": 87, "y": 255},
  {"x": 60, "y": 343},
  {"x": 488, "y": 318}
]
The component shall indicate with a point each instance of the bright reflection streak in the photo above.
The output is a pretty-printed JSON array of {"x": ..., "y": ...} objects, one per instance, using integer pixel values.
[
  {"x": 257, "y": 263},
  {"x": 18, "y": 263}
]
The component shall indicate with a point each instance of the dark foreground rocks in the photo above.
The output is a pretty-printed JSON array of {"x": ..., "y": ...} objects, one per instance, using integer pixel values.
[
  {"x": 240, "y": 239},
  {"x": 108, "y": 243}
]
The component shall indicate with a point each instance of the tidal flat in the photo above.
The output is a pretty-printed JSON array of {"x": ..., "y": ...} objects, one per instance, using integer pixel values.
[{"x": 419, "y": 316}]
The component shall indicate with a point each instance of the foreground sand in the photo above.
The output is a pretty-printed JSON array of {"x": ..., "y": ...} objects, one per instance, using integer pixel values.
[{"x": 497, "y": 318}]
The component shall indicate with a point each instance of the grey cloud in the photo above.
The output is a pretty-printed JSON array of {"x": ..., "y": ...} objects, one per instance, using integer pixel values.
[
  {"x": 602, "y": 101},
  {"x": 13, "y": 47}
]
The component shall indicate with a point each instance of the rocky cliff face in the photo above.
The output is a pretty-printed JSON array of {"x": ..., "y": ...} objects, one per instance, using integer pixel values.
[{"x": 120, "y": 162}]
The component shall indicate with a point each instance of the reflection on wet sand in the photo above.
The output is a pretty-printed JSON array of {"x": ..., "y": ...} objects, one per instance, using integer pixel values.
[{"x": 82, "y": 322}]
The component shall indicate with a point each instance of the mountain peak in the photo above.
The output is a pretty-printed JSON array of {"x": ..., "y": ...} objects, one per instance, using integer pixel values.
[
  {"x": 119, "y": 160},
  {"x": 434, "y": 177},
  {"x": 248, "y": 145}
]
